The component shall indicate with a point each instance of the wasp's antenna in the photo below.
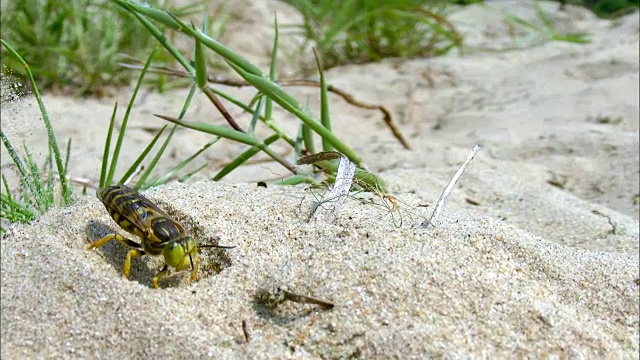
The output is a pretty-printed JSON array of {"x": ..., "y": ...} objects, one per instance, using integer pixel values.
[
  {"x": 191, "y": 260},
  {"x": 217, "y": 246}
]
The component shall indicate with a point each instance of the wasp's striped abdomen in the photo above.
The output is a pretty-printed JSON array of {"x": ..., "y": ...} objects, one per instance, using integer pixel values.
[
  {"x": 122, "y": 205},
  {"x": 139, "y": 216}
]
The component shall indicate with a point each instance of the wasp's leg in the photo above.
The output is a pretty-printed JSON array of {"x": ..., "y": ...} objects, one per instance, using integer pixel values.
[
  {"x": 123, "y": 240},
  {"x": 159, "y": 276},
  {"x": 127, "y": 261},
  {"x": 196, "y": 267}
]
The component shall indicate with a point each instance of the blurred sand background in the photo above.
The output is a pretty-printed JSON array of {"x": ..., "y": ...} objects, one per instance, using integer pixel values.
[{"x": 536, "y": 253}]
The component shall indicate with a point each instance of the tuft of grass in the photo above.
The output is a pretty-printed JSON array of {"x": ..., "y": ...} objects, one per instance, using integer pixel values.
[
  {"x": 360, "y": 31},
  {"x": 37, "y": 194},
  {"x": 135, "y": 170},
  {"x": 547, "y": 30},
  {"x": 37, "y": 191},
  {"x": 607, "y": 9},
  {"x": 614, "y": 8},
  {"x": 78, "y": 41},
  {"x": 269, "y": 94}
]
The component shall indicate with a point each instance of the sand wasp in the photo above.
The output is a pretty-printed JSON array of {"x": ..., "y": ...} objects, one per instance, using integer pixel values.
[{"x": 160, "y": 234}]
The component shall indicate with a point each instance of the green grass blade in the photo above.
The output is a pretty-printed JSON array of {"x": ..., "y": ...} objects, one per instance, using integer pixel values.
[
  {"x": 246, "y": 155},
  {"x": 221, "y": 131},
  {"x": 268, "y": 111},
  {"x": 573, "y": 38},
  {"x": 249, "y": 110},
  {"x": 154, "y": 161},
  {"x": 201, "y": 66},
  {"x": 520, "y": 21},
  {"x": 545, "y": 19},
  {"x": 267, "y": 121},
  {"x": 49, "y": 192},
  {"x": 170, "y": 20},
  {"x": 256, "y": 114},
  {"x": 363, "y": 178},
  {"x": 107, "y": 148},
  {"x": 274, "y": 51},
  {"x": 230, "y": 134},
  {"x": 233, "y": 100},
  {"x": 140, "y": 12},
  {"x": 141, "y": 157},
  {"x": 171, "y": 173},
  {"x": 66, "y": 190},
  {"x": 288, "y": 103},
  {"x": 158, "y": 15},
  {"x": 67, "y": 156},
  {"x": 307, "y": 136},
  {"x": 187, "y": 101},
  {"x": 295, "y": 180},
  {"x": 24, "y": 175},
  {"x": 7, "y": 189},
  {"x": 13, "y": 210},
  {"x": 299, "y": 141},
  {"x": 220, "y": 49},
  {"x": 186, "y": 176},
  {"x": 34, "y": 175},
  {"x": 185, "y": 106},
  {"x": 325, "y": 115},
  {"x": 125, "y": 120}
]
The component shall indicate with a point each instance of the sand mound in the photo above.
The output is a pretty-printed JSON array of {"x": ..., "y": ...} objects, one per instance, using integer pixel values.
[{"x": 536, "y": 253}]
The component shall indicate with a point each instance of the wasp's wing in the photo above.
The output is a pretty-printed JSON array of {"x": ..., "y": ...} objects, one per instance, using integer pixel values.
[{"x": 130, "y": 205}]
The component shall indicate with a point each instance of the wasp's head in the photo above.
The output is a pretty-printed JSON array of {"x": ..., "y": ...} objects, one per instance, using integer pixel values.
[{"x": 180, "y": 253}]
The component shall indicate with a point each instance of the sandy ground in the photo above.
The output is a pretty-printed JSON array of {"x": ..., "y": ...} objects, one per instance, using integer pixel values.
[{"x": 535, "y": 255}]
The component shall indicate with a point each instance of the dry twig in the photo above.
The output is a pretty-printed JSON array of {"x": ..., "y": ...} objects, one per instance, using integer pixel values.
[{"x": 245, "y": 331}]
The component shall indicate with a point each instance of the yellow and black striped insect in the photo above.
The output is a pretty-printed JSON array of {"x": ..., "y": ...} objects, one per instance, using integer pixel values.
[{"x": 160, "y": 234}]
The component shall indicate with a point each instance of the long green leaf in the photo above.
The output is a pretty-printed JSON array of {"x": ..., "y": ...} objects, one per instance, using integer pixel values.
[
  {"x": 325, "y": 115},
  {"x": 155, "y": 32},
  {"x": 186, "y": 176},
  {"x": 201, "y": 66},
  {"x": 141, "y": 157},
  {"x": 169, "y": 174},
  {"x": 268, "y": 111},
  {"x": 307, "y": 137},
  {"x": 295, "y": 180},
  {"x": 213, "y": 129},
  {"x": 230, "y": 134},
  {"x": 123, "y": 127},
  {"x": 246, "y": 155},
  {"x": 154, "y": 161},
  {"x": 256, "y": 114},
  {"x": 222, "y": 50},
  {"x": 156, "y": 14},
  {"x": 107, "y": 148},
  {"x": 288, "y": 103},
  {"x": 67, "y": 156}
]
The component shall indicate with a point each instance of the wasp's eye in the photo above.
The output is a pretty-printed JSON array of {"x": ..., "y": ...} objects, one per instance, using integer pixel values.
[{"x": 174, "y": 254}]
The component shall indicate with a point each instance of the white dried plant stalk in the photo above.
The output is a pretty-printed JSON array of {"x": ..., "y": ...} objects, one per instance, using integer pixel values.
[
  {"x": 327, "y": 208},
  {"x": 447, "y": 190}
]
